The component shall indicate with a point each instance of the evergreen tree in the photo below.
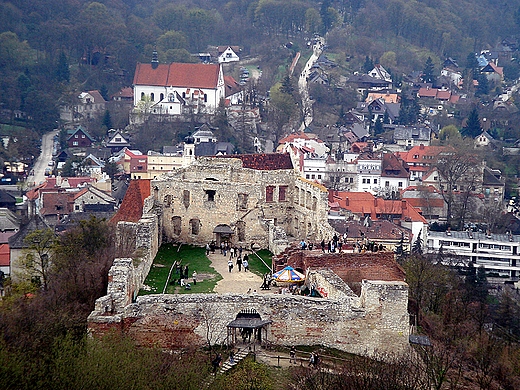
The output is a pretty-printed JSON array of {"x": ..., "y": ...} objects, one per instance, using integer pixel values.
[
  {"x": 417, "y": 245},
  {"x": 103, "y": 91},
  {"x": 287, "y": 86},
  {"x": 473, "y": 127},
  {"x": 472, "y": 63},
  {"x": 62, "y": 69},
  {"x": 483, "y": 85},
  {"x": 378, "y": 126},
  {"x": 428, "y": 75},
  {"x": 368, "y": 65},
  {"x": 107, "y": 120}
]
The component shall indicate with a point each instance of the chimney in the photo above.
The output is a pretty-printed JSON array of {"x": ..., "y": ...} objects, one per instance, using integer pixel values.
[
  {"x": 403, "y": 204},
  {"x": 155, "y": 60},
  {"x": 375, "y": 202},
  {"x": 346, "y": 201},
  {"x": 421, "y": 146}
]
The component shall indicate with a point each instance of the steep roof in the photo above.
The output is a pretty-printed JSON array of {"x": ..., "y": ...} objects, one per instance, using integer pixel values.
[
  {"x": 35, "y": 223},
  {"x": 265, "y": 161},
  {"x": 82, "y": 130},
  {"x": 131, "y": 208},
  {"x": 178, "y": 75}
]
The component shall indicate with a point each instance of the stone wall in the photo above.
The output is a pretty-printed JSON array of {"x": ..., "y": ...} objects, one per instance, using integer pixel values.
[
  {"x": 377, "y": 321},
  {"x": 220, "y": 191}
]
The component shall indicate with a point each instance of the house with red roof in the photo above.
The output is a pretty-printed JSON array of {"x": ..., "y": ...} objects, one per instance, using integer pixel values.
[
  {"x": 178, "y": 88},
  {"x": 427, "y": 199},
  {"x": 365, "y": 206},
  {"x": 420, "y": 159}
]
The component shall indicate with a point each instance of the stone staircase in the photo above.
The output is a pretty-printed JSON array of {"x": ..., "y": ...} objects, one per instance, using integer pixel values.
[
  {"x": 239, "y": 356},
  {"x": 226, "y": 366}
]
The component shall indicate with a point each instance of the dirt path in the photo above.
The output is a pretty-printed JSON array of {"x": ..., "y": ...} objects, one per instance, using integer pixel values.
[{"x": 235, "y": 281}]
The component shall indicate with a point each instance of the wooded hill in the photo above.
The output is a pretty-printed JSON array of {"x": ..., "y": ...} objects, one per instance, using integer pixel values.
[{"x": 116, "y": 34}]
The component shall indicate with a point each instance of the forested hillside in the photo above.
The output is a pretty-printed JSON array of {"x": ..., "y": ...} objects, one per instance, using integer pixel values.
[{"x": 113, "y": 35}]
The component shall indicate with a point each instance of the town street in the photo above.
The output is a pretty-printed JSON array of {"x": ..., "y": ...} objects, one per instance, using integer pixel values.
[{"x": 38, "y": 172}]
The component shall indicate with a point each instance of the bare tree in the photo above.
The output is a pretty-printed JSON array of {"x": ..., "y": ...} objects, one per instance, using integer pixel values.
[
  {"x": 459, "y": 176},
  {"x": 36, "y": 260}
]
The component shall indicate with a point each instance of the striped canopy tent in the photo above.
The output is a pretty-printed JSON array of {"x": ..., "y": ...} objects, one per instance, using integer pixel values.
[{"x": 288, "y": 274}]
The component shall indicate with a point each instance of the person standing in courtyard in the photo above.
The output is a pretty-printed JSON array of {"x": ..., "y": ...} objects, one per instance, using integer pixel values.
[
  {"x": 239, "y": 263},
  {"x": 245, "y": 263},
  {"x": 230, "y": 265},
  {"x": 194, "y": 277},
  {"x": 292, "y": 354}
]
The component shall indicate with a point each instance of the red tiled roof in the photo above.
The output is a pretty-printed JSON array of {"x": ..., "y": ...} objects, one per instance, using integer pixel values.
[
  {"x": 5, "y": 255},
  {"x": 125, "y": 92},
  {"x": 265, "y": 161},
  {"x": 443, "y": 95},
  {"x": 428, "y": 92},
  {"x": 131, "y": 209},
  {"x": 178, "y": 75},
  {"x": 363, "y": 203}
]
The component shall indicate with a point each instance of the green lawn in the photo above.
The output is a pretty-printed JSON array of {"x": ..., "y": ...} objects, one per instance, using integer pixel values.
[
  {"x": 196, "y": 260},
  {"x": 256, "y": 266}
]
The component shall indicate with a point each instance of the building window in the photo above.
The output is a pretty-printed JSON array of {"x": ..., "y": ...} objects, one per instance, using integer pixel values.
[
  {"x": 75, "y": 143},
  {"x": 152, "y": 97},
  {"x": 282, "y": 193},
  {"x": 313, "y": 176},
  {"x": 269, "y": 193},
  {"x": 210, "y": 195},
  {"x": 242, "y": 201},
  {"x": 364, "y": 181},
  {"x": 76, "y": 207},
  {"x": 387, "y": 183},
  {"x": 375, "y": 181},
  {"x": 167, "y": 200},
  {"x": 368, "y": 181},
  {"x": 171, "y": 98},
  {"x": 307, "y": 176},
  {"x": 186, "y": 198},
  {"x": 195, "y": 226},
  {"x": 176, "y": 225},
  {"x": 205, "y": 98},
  {"x": 162, "y": 97},
  {"x": 142, "y": 95},
  {"x": 400, "y": 184},
  {"x": 319, "y": 176}
]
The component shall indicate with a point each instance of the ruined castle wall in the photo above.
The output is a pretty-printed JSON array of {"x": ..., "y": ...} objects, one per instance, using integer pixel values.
[
  {"x": 361, "y": 326},
  {"x": 214, "y": 191}
]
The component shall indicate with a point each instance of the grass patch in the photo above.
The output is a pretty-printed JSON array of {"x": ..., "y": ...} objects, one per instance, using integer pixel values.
[
  {"x": 196, "y": 260},
  {"x": 256, "y": 266}
]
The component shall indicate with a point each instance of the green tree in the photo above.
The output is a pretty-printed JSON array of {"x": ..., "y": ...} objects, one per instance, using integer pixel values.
[
  {"x": 313, "y": 21},
  {"x": 473, "y": 127},
  {"x": 449, "y": 133},
  {"x": 483, "y": 85},
  {"x": 62, "y": 68},
  {"x": 428, "y": 74},
  {"x": 107, "y": 120},
  {"x": 36, "y": 260},
  {"x": 378, "y": 126},
  {"x": 368, "y": 65}
]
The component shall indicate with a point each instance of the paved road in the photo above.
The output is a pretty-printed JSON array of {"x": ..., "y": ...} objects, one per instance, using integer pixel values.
[
  {"x": 302, "y": 83},
  {"x": 41, "y": 163}
]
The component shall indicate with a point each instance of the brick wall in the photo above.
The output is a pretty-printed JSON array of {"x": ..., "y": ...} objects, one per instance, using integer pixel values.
[{"x": 375, "y": 321}]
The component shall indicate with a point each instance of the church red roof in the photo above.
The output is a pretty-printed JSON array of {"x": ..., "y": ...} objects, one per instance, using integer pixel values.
[
  {"x": 131, "y": 209},
  {"x": 178, "y": 75}
]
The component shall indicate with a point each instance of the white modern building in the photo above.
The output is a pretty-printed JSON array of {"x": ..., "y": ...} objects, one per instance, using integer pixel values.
[{"x": 499, "y": 254}]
